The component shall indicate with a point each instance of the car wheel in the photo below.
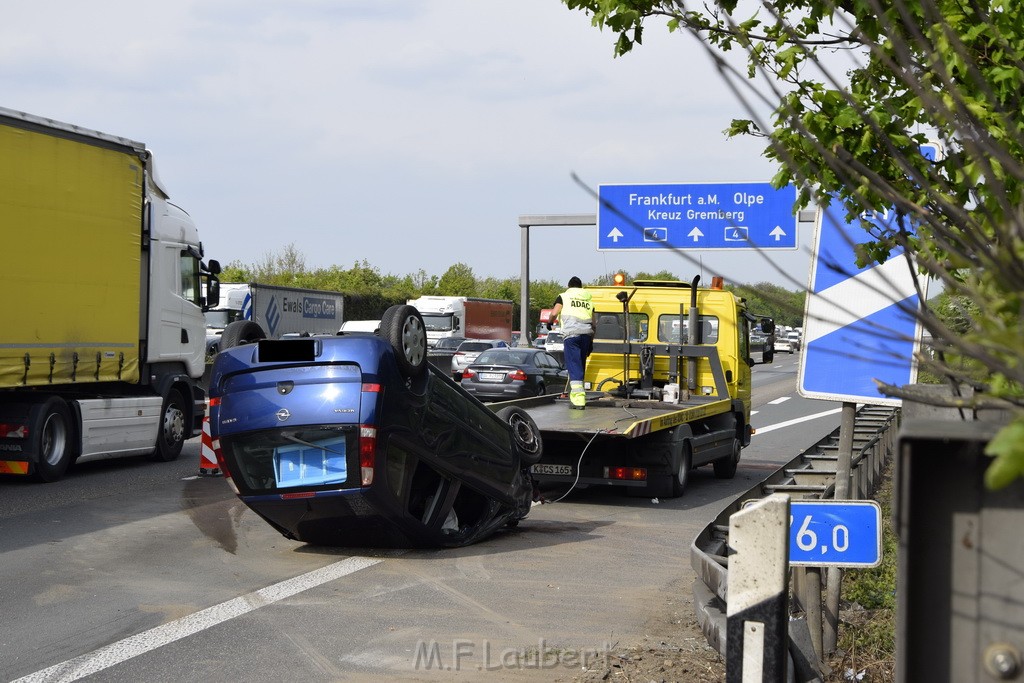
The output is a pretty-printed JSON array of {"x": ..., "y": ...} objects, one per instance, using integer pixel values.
[
  {"x": 541, "y": 389},
  {"x": 682, "y": 476},
  {"x": 725, "y": 468},
  {"x": 53, "y": 441},
  {"x": 525, "y": 434},
  {"x": 241, "y": 332},
  {"x": 171, "y": 436},
  {"x": 403, "y": 327}
]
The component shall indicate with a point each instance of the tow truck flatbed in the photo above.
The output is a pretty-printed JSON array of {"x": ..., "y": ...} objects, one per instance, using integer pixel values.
[{"x": 628, "y": 418}]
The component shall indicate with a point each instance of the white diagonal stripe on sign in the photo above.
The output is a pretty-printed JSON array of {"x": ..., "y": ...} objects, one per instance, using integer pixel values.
[{"x": 858, "y": 297}]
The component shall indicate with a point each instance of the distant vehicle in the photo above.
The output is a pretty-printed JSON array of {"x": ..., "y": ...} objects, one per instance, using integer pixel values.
[
  {"x": 555, "y": 342},
  {"x": 463, "y": 316},
  {"x": 468, "y": 352},
  {"x": 796, "y": 338},
  {"x": 784, "y": 343},
  {"x": 505, "y": 374},
  {"x": 274, "y": 311},
  {"x": 373, "y": 446}
]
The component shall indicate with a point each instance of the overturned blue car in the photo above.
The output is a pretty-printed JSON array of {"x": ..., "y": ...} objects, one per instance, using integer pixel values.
[{"x": 356, "y": 440}]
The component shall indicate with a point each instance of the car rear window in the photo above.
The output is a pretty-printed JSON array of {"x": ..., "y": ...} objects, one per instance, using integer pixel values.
[
  {"x": 305, "y": 457},
  {"x": 474, "y": 346}
]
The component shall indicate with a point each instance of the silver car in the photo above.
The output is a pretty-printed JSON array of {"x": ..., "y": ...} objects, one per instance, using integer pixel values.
[{"x": 468, "y": 352}]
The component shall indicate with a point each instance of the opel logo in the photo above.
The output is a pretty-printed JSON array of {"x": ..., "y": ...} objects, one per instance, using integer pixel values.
[{"x": 283, "y": 414}]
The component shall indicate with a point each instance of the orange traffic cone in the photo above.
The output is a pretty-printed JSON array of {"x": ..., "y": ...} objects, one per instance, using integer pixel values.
[{"x": 208, "y": 451}]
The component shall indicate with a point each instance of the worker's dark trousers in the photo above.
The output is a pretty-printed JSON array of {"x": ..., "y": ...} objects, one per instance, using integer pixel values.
[{"x": 576, "y": 351}]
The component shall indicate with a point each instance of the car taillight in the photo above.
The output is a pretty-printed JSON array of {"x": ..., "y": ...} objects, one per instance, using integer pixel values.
[
  {"x": 518, "y": 374},
  {"x": 367, "y": 449},
  {"x": 215, "y": 401},
  {"x": 219, "y": 452},
  {"x": 626, "y": 473},
  {"x": 467, "y": 373}
]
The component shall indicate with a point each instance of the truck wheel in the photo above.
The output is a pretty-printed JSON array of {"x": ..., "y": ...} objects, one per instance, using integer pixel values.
[
  {"x": 525, "y": 434},
  {"x": 725, "y": 468},
  {"x": 682, "y": 477},
  {"x": 171, "y": 436},
  {"x": 241, "y": 332},
  {"x": 53, "y": 441},
  {"x": 403, "y": 327}
]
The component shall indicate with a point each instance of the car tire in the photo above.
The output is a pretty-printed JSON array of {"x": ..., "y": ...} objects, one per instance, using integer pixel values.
[
  {"x": 241, "y": 332},
  {"x": 541, "y": 389},
  {"x": 402, "y": 326},
  {"x": 171, "y": 436},
  {"x": 725, "y": 468},
  {"x": 525, "y": 434},
  {"x": 53, "y": 440}
]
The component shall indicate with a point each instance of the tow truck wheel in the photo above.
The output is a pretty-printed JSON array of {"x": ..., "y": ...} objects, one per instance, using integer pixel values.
[
  {"x": 525, "y": 434},
  {"x": 403, "y": 327},
  {"x": 682, "y": 477},
  {"x": 240, "y": 332},
  {"x": 725, "y": 468},
  {"x": 53, "y": 441},
  {"x": 171, "y": 436}
]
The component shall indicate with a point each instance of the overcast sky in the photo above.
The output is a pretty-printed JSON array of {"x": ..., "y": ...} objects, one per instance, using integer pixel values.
[{"x": 409, "y": 134}]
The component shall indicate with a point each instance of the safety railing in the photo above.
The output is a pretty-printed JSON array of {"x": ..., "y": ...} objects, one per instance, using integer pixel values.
[{"x": 810, "y": 475}]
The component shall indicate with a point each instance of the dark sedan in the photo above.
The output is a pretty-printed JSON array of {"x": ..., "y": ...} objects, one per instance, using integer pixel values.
[{"x": 505, "y": 374}]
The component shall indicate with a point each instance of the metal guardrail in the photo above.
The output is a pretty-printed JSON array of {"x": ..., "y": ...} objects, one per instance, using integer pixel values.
[{"x": 810, "y": 475}]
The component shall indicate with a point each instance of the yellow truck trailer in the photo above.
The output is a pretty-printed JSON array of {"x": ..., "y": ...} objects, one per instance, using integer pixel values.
[
  {"x": 105, "y": 340},
  {"x": 668, "y": 390}
]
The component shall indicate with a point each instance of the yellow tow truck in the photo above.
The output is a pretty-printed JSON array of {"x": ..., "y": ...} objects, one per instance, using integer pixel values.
[{"x": 668, "y": 389}]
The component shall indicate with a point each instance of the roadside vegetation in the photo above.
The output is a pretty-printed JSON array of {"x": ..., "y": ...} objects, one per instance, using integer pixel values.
[{"x": 369, "y": 292}]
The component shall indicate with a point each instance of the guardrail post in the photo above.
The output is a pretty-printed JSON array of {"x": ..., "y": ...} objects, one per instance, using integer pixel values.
[{"x": 757, "y": 617}]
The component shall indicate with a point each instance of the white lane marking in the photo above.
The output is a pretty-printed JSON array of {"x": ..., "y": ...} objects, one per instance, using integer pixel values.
[
  {"x": 779, "y": 400},
  {"x": 790, "y": 423},
  {"x": 141, "y": 643}
]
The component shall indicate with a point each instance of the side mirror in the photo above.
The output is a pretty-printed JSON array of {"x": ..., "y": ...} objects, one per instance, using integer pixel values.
[{"x": 767, "y": 325}]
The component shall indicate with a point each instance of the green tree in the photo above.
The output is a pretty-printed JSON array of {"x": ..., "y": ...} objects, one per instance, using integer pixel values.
[
  {"x": 850, "y": 128},
  {"x": 458, "y": 280}
]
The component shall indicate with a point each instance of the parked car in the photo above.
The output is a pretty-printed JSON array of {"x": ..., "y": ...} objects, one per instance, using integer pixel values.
[
  {"x": 441, "y": 354},
  {"x": 468, "y": 352},
  {"x": 356, "y": 440},
  {"x": 784, "y": 343},
  {"x": 505, "y": 374},
  {"x": 555, "y": 342}
]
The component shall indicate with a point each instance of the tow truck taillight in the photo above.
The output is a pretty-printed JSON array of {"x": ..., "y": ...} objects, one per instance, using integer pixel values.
[
  {"x": 13, "y": 430},
  {"x": 626, "y": 473},
  {"x": 367, "y": 449}
]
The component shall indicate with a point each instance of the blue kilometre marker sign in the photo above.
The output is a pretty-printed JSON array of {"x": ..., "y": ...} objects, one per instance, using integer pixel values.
[
  {"x": 696, "y": 216},
  {"x": 835, "y": 533}
]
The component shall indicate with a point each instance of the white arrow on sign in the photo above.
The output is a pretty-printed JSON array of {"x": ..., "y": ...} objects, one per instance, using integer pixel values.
[
  {"x": 615, "y": 234},
  {"x": 695, "y": 233},
  {"x": 778, "y": 233}
]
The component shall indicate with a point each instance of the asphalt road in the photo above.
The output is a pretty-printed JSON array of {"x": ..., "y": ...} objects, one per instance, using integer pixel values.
[{"x": 129, "y": 570}]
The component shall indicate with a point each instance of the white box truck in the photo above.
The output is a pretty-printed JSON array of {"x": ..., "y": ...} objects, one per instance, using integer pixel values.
[{"x": 103, "y": 347}]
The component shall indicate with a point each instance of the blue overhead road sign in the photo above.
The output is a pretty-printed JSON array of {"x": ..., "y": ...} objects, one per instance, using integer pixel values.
[
  {"x": 860, "y": 324},
  {"x": 696, "y": 216}
]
